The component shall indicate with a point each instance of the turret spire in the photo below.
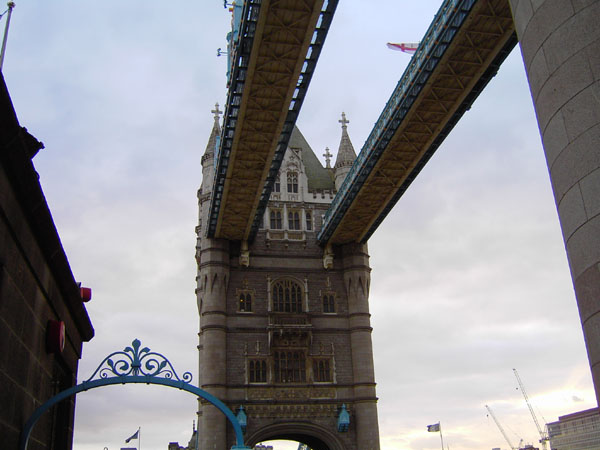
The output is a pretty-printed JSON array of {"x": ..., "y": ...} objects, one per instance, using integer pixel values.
[
  {"x": 346, "y": 154},
  {"x": 216, "y": 112},
  {"x": 344, "y": 121},
  {"x": 216, "y": 131},
  {"x": 327, "y": 156}
]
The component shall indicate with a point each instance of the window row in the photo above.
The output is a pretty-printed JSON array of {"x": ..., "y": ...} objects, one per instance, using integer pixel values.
[
  {"x": 293, "y": 220},
  {"x": 287, "y": 297},
  {"x": 290, "y": 367}
]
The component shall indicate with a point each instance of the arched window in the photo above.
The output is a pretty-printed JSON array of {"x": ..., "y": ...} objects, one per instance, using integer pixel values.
[
  {"x": 294, "y": 220},
  {"x": 292, "y": 182},
  {"x": 328, "y": 303},
  {"x": 275, "y": 217},
  {"x": 287, "y": 296},
  {"x": 322, "y": 370},
  {"x": 257, "y": 371},
  {"x": 308, "y": 221},
  {"x": 290, "y": 366},
  {"x": 245, "y": 302},
  {"x": 277, "y": 186}
]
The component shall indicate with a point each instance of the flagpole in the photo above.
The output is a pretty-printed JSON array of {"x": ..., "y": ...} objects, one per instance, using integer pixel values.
[
  {"x": 10, "y": 5},
  {"x": 442, "y": 439},
  {"x": 140, "y": 438}
]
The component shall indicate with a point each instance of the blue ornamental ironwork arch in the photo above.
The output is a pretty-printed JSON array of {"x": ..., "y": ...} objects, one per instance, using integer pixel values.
[{"x": 135, "y": 365}]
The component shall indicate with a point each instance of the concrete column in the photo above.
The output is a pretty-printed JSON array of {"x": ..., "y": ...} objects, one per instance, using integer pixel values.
[
  {"x": 214, "y": 274},
  {"x": 357, "y": 279},
  {"x": 560, "y": 44}
]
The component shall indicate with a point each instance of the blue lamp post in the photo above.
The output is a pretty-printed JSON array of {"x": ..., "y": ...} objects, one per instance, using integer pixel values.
[
  {"x": 242, "y": 419},
  {"x": 343, "y": 420}
]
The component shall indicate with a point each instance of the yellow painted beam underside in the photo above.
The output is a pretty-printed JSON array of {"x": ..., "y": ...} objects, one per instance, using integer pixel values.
[
  {"x": 284, "y": 31},
  {"x": 476, "y": 45}
]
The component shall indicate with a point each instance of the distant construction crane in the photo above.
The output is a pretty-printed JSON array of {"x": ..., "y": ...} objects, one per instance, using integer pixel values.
[
  {"x": 543, "y": 434},
  {"x": 512, "y": 447}
]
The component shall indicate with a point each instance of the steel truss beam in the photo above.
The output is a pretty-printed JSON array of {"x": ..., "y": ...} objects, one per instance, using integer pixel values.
[
  {"x": 461, "y": 51},
  {"x": 280, "y": 43}
]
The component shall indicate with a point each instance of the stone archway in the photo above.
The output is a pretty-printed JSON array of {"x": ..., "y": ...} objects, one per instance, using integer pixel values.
[{"x": 317, "y": 438}]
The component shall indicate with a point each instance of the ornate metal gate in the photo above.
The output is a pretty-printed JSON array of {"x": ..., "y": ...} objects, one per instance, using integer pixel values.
[{"x": 135, "y": 365}]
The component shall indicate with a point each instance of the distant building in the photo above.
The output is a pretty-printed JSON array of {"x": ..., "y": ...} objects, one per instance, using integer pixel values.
[
  {"x": 577, "y": 431},
  {"x": 192, "y": 444},
  {"x": 176, "y": 446},
  {"x": 43, "y": 322}
]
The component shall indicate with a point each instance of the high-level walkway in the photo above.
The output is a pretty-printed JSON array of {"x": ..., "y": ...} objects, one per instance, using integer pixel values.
[
  {"x": 461, "y": 51},
  {"x": 273, "y": 60},
  {"x": 274, "y": 57}
]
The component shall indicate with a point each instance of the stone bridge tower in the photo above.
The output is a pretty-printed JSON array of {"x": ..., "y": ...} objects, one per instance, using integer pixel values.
[{"x": 284, "y": 324}]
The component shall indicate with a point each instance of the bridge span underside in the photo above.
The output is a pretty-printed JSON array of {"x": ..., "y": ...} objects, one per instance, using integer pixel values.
[
  {"x": 460, "y": 53},
  {"x": 277, "y": 51}
]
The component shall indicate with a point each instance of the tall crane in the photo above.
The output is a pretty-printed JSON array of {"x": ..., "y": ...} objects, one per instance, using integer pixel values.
[
  {"x": 543, "y": 434},
  {"x": 501, "y": 429}
]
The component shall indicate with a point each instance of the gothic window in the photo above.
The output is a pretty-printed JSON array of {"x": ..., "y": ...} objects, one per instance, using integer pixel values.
[
  {"x": 275, "y": 217},
  {"x": 292, "y": 182},
  {"x": 328, "y": 303},
  {"x": 277, "y": 186},
  {"x": 322, "y": 371},
  {"x": 290, "y": 366},
  {"x": 245, "y": 295},
  {"x": 257, "y": 371},
  {"x": 287, "y": 296},
  {"x": 308, "y": 221},
  {"x": 245, "y": 302},
  {"x": 294, "y": 220}
]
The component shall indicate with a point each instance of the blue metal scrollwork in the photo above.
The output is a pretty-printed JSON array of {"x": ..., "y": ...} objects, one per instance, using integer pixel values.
[
  {"x": 135, "y": 365},
  {"x": 140, "y": 362}
]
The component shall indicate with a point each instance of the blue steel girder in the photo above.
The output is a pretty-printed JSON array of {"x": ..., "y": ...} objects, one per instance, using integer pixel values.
[
  {"x": 279, "y": 44},
  {"x": 461, "y": 51}
]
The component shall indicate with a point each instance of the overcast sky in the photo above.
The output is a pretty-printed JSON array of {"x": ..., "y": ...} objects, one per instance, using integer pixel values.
[{"x": 470, "y": 277}]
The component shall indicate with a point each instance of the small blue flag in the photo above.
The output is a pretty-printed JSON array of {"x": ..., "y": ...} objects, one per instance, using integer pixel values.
[{"x": 134, "y": 436}]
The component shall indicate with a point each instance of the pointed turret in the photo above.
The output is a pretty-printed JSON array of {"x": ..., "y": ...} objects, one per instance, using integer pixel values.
[
  {"x": 209, "y": 153},
  {"x": 214, "y": 134},
  {"x": 345, "y": 156}
]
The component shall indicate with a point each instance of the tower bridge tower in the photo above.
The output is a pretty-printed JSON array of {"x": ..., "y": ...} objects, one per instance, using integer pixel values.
[{"x": 284, "y": 324}]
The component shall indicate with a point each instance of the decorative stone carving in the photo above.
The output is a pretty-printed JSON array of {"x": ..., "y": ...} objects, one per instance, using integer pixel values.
[
  {"x": 328, "y": 257},
  {"x": 244, "y": 255},
  {"x": 292, "y": 411},
  {"x": 287, "y": 393}
]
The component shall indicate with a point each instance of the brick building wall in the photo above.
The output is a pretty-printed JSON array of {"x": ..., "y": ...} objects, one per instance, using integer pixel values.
[{"x": 36, "y": 286}]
